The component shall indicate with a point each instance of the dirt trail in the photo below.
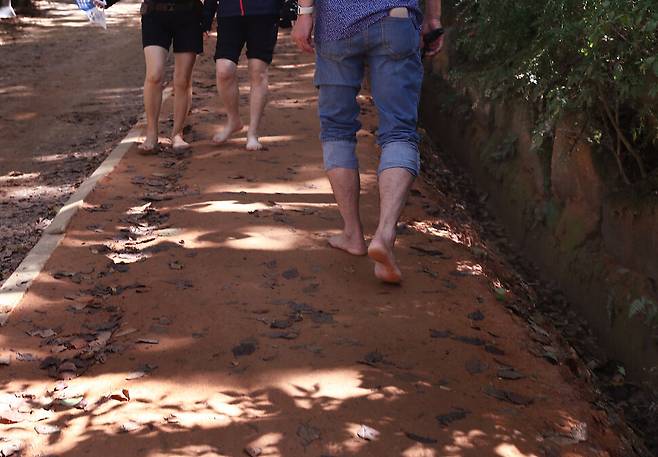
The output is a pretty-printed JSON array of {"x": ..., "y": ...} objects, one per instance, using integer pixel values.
[
  {"x": 194, "y": 308},
  {"x": 68, "y": 93}
]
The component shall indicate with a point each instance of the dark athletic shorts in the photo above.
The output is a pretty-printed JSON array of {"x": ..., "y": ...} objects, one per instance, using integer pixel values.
[
  {"x": 183, "y": 28},
  {"x": 258, "y": 32}
]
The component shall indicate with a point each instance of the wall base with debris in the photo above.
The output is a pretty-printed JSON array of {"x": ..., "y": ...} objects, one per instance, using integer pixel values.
[{"x": 600, "y": 245}]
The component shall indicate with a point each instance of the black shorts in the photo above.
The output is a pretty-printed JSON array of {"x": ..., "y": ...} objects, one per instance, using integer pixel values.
[
  {"x": 258, "y": 32},
  {"x": 183, "y": 28}
]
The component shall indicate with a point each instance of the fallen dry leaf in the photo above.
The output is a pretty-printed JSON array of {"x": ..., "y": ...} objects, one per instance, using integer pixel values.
[
  {"x": 148, "y": 341},
  {"x": 25, "y": 357},
  {"x": 307, "y": 434},
  {"x": 507, "y": 396},
  {"x": 122, "y": 395},
  {"x": 253, "y": 451},
  {"x": 12, "y": 417},
  {"x": 129, "y": 426},
  {"x": 367, "y": 433},
  {"x": 46, "y": 429},
  {"x": 124, "y": 331},
  {"x": 10, "y": 448},
  {"x": 420, "y": 438}
]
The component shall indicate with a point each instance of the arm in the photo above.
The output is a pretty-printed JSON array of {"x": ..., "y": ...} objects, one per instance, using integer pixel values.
[
  {"x": 302, "y": 33},
  {"x": 432, "y": 22},
  {"x": 209, "y": 12}
]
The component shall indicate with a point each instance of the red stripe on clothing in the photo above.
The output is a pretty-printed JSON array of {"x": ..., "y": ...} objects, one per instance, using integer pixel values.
[{"x": 242, "y": 7}]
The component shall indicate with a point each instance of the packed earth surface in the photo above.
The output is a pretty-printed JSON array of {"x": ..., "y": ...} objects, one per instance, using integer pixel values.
[{"x": 194, "y": 307}]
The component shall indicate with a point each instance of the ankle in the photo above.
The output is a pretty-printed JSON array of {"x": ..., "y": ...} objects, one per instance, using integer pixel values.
[
  {"x": 386, "y": 237},
  {"x": 353, "y": 233},
  {"x": 233, "y": 122}
]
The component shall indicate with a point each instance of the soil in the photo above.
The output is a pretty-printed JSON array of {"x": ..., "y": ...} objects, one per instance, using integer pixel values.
[
  {"x": 194, "y": 308},
  {"x": 69, "y": 92}
]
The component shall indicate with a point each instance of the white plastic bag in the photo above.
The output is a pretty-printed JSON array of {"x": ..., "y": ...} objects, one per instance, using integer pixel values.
[
  {"x": 6, "y": 11},
  {"x": 95, "y": 14}
]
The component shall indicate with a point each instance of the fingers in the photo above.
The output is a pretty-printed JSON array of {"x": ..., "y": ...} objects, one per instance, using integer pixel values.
[
  {"x": 307, "y": 46},
  {"x": 304, "y": 43},
  {"x": 433, "y": 48}
]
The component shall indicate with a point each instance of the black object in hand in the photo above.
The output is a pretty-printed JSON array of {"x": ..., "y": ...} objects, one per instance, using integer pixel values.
[{"x": 431, "y": 37}]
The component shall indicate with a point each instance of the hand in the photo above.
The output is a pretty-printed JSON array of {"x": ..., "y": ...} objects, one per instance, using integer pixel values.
[
  {"x": 100, "y": 4},
  {"x": 302, "y": 33},
  {"x": 434, "y": 47}
]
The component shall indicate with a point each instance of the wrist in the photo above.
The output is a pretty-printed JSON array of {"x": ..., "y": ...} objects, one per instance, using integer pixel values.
[{"x": 305, "y": 9}]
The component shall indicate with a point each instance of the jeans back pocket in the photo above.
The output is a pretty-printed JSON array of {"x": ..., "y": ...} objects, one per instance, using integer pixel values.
[{"x": 400, "y": 37}]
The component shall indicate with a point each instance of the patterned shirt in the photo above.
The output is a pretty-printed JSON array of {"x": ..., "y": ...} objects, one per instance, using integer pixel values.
[{"x": 338, "y": 19}]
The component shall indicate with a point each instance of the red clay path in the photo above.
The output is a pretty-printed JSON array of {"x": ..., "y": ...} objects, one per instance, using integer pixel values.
[{"x": 195, "y": 309}]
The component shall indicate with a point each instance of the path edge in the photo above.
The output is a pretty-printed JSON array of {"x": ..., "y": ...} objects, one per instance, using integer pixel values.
[{"x": 16, "y": 286}]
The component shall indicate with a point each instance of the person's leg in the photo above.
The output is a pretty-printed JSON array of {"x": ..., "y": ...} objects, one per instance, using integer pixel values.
[
  {"x": 396, "y": 77},
  {"x": 155, "y": 57},
  {"x": 346, "y": 186},
  {"x": 258, "y": 79},
  {"x": 262, "y": 32},
  {"x": 339, "y": 123},
  {"x": 227, "y": 85},
  {"x": 394, "y": 185},
  {"x": 338, "y": 74},
  {"x": 183, "y": 65},
  {"x": 231, "y": 37}
]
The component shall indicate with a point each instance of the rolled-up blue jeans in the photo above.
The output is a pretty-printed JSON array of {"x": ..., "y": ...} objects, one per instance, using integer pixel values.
[{"x": 391, "y": 49}]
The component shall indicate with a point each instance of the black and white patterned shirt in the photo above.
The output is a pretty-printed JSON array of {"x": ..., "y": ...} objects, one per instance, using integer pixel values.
[{"x": 338, "y": 19}]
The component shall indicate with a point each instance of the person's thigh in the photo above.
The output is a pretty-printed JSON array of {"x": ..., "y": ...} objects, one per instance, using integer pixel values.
[
  {"x": 396, "y": 75},
  {"x": 339, "y": 74},
  {"x": 231, "y": 38},
  {"x": 262, "y": 34},
  {"x": 187, "y": 32},
  {"x": 183, "y": 66},
  {"x": 155, "y": 58},
  {"x": 156, "y": 30},
  {"x": 339, "y": 123}
]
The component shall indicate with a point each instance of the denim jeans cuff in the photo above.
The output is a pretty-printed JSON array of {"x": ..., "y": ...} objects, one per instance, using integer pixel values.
[
  {"x": 339, "y": 154},
  {"x": 400, "y": 154}
]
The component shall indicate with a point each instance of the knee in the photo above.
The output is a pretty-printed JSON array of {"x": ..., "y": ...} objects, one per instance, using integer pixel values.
[
  {"x": 340, "y": 154},
  {"x": 225, "y": 73},
  {"x": 182, "y": 84},
  {"x": 154, "y": 77},
  {"x": 258, "y": 77}
]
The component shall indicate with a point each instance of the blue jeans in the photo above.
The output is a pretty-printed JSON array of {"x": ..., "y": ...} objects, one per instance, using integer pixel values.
[{"x": 391, "y": 49}]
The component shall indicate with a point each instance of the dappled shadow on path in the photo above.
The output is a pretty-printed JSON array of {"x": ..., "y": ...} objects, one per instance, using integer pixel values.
[{"x": 194, "y": 309}]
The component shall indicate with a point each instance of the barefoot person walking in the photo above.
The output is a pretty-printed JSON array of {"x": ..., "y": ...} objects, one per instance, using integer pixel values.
[
  {"x": 164, "y": 22},
  {"x": 385, "y": 35},
  {"x": 239, "y": 22}
]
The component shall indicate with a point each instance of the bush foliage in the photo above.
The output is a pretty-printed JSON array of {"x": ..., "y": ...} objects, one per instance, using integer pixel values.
[{"x": 596, "y": 57}]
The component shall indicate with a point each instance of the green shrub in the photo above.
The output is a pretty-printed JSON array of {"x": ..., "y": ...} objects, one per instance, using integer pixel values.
[{"x": 597, "y": 57}]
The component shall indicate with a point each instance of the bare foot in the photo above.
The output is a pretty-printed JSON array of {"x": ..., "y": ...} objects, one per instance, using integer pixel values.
[
  {"x": 149, "y": 146},
  {"x": 354, "y": 246},
  {"x": 253, "y": 144},
  {"x": 386, "y": 268},
  {"x": 228, "y": 130},
  {"x": 177, "y": 142}
]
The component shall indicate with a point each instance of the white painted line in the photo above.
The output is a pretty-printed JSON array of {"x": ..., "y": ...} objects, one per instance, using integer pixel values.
[{"x": 15, "y": 287}]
